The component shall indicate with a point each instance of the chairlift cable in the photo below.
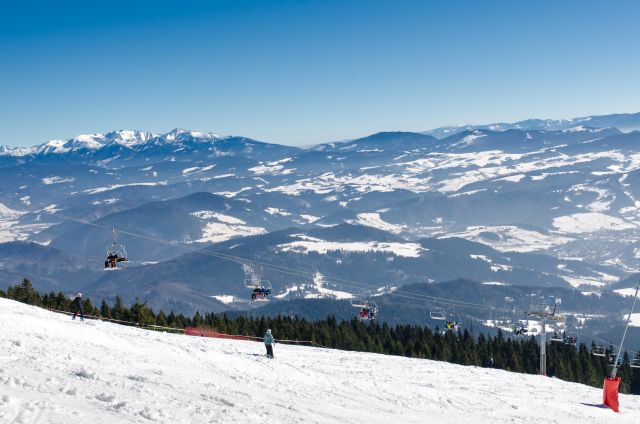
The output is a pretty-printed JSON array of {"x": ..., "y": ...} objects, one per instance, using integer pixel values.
[{"x": 294, "y": 272}]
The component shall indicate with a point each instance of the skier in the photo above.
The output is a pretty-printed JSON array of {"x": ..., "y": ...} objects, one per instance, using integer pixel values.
[
  {"x": 77, "y": 306},
  {"x": 364, "y": 313},
  {"x": 519, "y": 331},
  {"x": 456, "y": 326},
  {"x": 269, "y": 342}
]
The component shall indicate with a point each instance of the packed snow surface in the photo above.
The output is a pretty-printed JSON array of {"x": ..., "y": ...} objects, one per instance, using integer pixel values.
[{"x": 54, "y": 370}]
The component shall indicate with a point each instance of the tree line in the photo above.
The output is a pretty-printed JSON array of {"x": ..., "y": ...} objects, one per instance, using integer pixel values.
[{"x": 516, "y": 354}]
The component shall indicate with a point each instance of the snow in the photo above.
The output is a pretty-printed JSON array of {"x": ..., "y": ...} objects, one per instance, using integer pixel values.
[
  {"x": 273, "y": 168},
  {"x": 111, "y": 201},
  {"x": 511, "y": 238},
  {"x": 54, "y": 370},
  {"x": 232, "y": 193},
  {"x": 372, "y": 219},
  {"x": 226, "y": 299},
  {"x": 469, "y": 140},
  {"x": 409, "y": 250},
  {"x": 192, "y": 170},
  {"x": 309, "y": 218},
  {"x": 602, "y": 203},
  {"x": 8, "y": 213},
  {"x": 512, "y": 178},
  {"x": 218, "y": 216},
  {"x": 224, "y": 228},
  {"x": 216, "y": 232},
  {"x": 324, "y": 292},
  {"x": 277, "y": 211},
  {"x": 551, "y": 174},
  {"x": 635, "y": 319},
  {"x": 365, "y": 183},
  {"x": 590, "y": 222},
  {"x": 117, "y": 186},
  {"x": 582, "y": 281},
  {"x": 631, "y": 291},
  {"x": 56, "y": 180},
  {"x": 12, "y": 230}
]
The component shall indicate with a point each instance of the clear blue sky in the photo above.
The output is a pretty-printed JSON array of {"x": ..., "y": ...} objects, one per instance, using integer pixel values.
[{"x": 303, "y": 72}]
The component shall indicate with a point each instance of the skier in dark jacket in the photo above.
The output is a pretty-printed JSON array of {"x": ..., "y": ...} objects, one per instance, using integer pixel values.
[
  {"x": 269, "y": 342},
  {"x": 77, "y": 306}
]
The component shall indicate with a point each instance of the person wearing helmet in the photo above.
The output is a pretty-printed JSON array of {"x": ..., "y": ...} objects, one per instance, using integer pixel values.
[
  {"x": 77, "y": 306},
  {"x": 269, "y": 342}
]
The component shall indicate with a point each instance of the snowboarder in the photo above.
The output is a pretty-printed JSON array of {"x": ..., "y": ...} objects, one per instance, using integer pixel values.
[
  {"x": 269, "y": 342},
  {"x": 77, "y": 306}
]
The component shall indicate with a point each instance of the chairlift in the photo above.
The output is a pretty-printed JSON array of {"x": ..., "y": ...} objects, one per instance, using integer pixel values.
[
  {"x": 368, "y": 309},
  {"x": 438, "y": 314},
  {"x": 636, "y": 361},
  {"x": 261, "y": 292},
  {"x": 253, "y": 280},
  {"x": 519, "y": 328},
  {"x": 598, "y": 351},
  {"x": 557, "y": 338},
  {"x": 570, "y": 339},
  {"x": 116, "y": 252}
]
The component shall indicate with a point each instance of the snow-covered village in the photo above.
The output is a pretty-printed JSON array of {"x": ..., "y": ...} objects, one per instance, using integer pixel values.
[{"x": 319, "y": 212}]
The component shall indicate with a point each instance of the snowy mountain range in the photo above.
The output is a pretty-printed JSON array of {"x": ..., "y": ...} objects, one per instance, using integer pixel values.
[{"x": 537, "y": 203}]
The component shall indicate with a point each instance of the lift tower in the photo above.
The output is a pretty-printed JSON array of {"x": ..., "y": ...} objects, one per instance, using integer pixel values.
[{"x": 544, "y": 313}]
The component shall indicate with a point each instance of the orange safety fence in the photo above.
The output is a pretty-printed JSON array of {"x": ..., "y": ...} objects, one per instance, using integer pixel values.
[{"x": 202, "y": 332}]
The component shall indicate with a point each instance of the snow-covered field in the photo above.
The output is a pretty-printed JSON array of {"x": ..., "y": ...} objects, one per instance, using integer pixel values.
[{"x": 54, "y": 370}]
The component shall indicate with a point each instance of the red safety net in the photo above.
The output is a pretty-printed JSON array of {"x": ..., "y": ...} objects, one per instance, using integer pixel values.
[
  {"x": 201, "y": 332},
  {"x": 610, "y": 393}
]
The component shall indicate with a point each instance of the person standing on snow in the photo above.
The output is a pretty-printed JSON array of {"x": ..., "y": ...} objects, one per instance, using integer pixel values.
[
  {"x": 77, "y": 306},
  {"x": 269, "y": 342}
]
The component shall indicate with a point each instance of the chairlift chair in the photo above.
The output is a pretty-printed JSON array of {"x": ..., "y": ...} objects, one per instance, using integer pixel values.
[
  {"x": 556, "y": 337},
  {"x": 598, "y": 351},
  {"x": 519, "y": 328},
  {"x": 438, "y": 314},
  {"x": 368, "y": 309},
  {"x": 116, "y": 252},
  {"x": 252, "y": 278},
  {"x": 570, "y": 339},
  {"x": 261, "y": 292}
]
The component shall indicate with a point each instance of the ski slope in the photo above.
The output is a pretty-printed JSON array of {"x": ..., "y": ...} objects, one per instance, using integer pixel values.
[{"x": 54, "y": 370}]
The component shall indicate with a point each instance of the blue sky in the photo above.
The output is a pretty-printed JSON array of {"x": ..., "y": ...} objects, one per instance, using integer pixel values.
[{"x": 304, "y": 72}]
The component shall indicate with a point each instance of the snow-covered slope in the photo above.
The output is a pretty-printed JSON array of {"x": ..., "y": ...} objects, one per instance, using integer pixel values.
[{"x": 54, "y": 370}]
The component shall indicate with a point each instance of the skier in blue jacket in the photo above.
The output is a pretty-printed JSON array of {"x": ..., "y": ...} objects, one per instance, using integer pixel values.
[{"x": 269, "y": 342}]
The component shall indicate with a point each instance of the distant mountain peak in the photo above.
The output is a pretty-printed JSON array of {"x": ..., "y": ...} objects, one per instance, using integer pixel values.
[{"x": 625, "y": 122}]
